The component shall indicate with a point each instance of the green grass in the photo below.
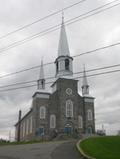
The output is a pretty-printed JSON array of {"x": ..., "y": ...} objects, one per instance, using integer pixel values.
[{"x": 102, "y": 147}]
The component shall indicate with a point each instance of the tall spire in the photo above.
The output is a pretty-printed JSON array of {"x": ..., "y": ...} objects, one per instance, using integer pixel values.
[
  {"x": 63, "y": 48},
  {"x": 41, "y": 80},
  {"x": 85, "y": 86},
  {"x": 64, "y": 61}
]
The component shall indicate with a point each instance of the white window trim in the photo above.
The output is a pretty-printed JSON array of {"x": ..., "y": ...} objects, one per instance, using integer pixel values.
[
  {"x": 31, "y": 124},
  {"x": 89, "y": 114},
  {"x": 24, "y": 125},
  {"x": 52, "y": 121},
  {"x": 69, "y": 108},
  {"x": 42, "y": 112},
  {"x": 27, "y": 126},
  {"x": 80, "y": 121}
]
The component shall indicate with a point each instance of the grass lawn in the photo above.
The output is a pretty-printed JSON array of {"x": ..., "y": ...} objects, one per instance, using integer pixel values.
[{"x": 107, "y": 147}]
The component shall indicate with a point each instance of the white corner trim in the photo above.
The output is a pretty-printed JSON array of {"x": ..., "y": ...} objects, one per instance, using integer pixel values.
[
  {"x": 89, "y": 100},
  {"x": 45, "y": 96}
]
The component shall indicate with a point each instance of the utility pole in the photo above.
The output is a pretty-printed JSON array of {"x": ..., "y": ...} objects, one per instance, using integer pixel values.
[{"x": 19, "y": 125}]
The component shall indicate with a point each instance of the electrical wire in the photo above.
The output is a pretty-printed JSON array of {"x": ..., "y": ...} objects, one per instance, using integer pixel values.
[
  {"x": 41, "y": 19},
  {"x": 53, "y": 77},
  {"x": 56, "y": 27},
  {"x": 91, "y": 75},
  {"x": 49, "y": 63}
]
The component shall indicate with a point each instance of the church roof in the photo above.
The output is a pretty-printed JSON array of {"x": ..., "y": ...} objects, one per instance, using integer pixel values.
[
  {"x": 88, "y": 96},
  {"x": 41, "y": 92},
  {"x": 63, "y": 48}
]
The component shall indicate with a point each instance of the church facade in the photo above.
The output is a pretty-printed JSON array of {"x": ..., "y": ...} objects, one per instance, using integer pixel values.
[{"x": 63, "y": 110}]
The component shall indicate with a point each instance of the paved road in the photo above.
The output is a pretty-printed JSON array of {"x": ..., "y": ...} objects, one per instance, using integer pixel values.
[
  {"x": 66, "y": 151},
  {"x": 50, "y": 150}
]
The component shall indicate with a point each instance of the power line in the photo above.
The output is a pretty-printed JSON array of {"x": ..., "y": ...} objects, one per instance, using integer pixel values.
[
  {"x": 49, "y": 63},
  {"x": 56, "y": 27},
  {"x": 53, "y": 77},
  {"x": 41, "y": 19},
  {"x": 92, "y": 75},
  {"x": 98, "y": 49}
]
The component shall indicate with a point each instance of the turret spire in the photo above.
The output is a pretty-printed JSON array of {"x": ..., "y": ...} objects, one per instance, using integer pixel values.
[
  {"x": 85, "y": 86},
  {"x": 41, "y": 80}
]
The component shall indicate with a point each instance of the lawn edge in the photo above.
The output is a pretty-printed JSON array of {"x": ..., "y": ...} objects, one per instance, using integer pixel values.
[{"x": 81, "y": 151}]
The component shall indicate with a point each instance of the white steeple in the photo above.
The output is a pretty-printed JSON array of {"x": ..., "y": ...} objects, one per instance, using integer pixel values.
[
  {"x": 41, "y": 80},
  {"x": 63, "y": 48},
  {"x": 63, "y": 61},
  {"x": 85, "y": 86}
]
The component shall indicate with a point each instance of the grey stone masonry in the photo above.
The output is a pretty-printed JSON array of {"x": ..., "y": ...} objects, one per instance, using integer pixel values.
[
  {"x": 89, "y": 122},
  {"x": 55, "y": 104},
  {"x": 62, "y": 111}
]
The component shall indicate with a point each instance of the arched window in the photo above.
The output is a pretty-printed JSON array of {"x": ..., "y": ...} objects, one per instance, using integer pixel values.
[
  {"x": 80, "y": 121},
  {"x": 24, "y": 125},
  {"x": 89, "y": 114},
  {"x": 31, "y": 124},
  {"x": 27, "y": 126},
  {"x": 66, "y": 64},
  {"x": 42, "y": 112},
  {"x": 52, "y": 121},
  {"x": 69, "y": 108}
]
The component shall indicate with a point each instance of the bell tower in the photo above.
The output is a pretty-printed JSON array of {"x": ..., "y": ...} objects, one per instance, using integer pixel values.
[{"x": 64, "y": 60}]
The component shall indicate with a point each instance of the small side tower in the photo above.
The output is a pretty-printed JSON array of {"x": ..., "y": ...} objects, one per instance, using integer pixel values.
[
  {"x": 40, "y": 107},
  {"x": 64, "y": 60},
  {"x": 85, "y": 86},
  {"x": 88, "y": 107},
  {"x": 41, "y": 80}
]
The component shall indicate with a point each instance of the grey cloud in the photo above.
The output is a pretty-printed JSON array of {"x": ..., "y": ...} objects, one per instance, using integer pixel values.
[{"x": 82, "y": 36}]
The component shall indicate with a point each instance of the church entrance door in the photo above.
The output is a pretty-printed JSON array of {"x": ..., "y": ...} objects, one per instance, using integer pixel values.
[
  {"x": 89, "y": 130},
  {"x": 68, "y": 129}
]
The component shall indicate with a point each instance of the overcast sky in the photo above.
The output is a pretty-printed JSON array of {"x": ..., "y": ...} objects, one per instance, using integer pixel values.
[{"x": 85, "y": 35}]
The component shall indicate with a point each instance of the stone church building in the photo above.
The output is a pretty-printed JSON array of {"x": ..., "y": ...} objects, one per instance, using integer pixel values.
[{"x": 63, "y": 110}]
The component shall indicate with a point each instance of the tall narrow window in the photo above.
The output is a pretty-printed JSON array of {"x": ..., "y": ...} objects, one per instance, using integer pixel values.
[
  {"x": 69, "y": 108},
  {"x": 21, "y": 130},
  {"x": 24, "y": 128},
  {"x": 80, "y": 121},
  {"x": 52, "y": 121},
  {"x": 66, "y": 64},
  {"x": 42, "y": 112},
  {"x": 31, "y": 124},
  {"x": 27, "y": 126},
  {"x": 89, "y": 114}
]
